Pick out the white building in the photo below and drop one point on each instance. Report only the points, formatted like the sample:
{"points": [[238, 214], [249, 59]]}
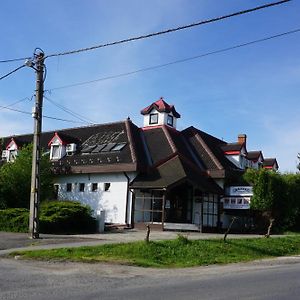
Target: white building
{"points": [[155, 174]]}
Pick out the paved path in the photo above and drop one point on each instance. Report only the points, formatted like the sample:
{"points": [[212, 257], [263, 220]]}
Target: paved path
{"points": [[10, 242]]}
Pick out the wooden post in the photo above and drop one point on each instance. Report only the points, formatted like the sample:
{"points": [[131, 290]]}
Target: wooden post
{"points": [[163, 211], [267, 235], [148, 233], [229, 227]]}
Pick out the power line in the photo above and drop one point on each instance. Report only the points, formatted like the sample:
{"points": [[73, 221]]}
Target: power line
{"points": [[44, 116], [64, 120], [69, 111], [11, 72], [14, 59], [15, 110], [155, 33], [14, 103], [177, 61], [169, 30]]}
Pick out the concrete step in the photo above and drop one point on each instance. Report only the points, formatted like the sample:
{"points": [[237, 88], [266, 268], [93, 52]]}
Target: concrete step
{"points": [[181, 226]]}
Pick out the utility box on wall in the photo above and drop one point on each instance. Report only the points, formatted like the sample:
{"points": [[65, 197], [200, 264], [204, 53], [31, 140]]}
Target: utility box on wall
{"points": [[100, 220]]}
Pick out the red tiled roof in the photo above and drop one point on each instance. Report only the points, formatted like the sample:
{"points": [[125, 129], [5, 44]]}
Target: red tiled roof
{"points": [[161, 106]]}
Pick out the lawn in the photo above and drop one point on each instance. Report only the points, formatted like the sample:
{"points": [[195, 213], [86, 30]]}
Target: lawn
{"points": [[176, 253]]}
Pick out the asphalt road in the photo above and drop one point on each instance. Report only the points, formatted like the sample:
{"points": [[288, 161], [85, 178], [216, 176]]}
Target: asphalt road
{"points": [[268, 279]]}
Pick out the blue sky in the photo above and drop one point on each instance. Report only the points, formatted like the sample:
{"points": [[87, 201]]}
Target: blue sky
{"points": [[253, 90]]}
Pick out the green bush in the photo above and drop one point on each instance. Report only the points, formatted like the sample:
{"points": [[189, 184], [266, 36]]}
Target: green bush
{"points": [[66, 217], [14, 219], [62, 217]]}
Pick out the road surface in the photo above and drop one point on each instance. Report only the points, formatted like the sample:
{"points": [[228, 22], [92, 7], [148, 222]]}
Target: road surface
{"points": [[267, 279]]}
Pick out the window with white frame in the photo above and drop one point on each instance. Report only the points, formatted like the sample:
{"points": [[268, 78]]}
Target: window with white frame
{"points": [[153, 119], [11, 155], [55, 151], [170, 120]]}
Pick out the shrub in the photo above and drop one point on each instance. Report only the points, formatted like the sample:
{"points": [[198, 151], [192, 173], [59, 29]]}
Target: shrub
{"points": [[66, 217], [14, 220], [182, 239]]}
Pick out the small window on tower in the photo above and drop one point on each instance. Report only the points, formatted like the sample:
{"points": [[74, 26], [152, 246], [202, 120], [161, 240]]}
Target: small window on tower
{"points": [[153, 119], [170, 120]]}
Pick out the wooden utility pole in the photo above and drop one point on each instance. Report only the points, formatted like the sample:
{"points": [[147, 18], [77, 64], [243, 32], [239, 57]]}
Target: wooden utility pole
{"points": [[36, 153]]}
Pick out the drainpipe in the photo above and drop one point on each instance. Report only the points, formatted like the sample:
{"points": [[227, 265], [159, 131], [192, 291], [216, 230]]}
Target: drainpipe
{"points": [[127, 197]]}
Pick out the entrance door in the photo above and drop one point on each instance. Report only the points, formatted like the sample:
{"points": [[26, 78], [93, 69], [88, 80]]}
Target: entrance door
{"points": [[178, 205]]}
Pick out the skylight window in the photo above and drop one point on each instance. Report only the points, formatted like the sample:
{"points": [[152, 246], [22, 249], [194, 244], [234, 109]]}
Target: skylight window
{"points": [[108, 147], [99, 148], [118, 147], [88, 149]]}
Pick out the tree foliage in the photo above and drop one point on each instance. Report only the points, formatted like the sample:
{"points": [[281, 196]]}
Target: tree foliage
{"points": [[15, 180], [275, 195]]}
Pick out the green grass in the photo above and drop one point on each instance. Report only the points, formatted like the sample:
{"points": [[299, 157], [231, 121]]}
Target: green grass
{"points": [[175, 253]]}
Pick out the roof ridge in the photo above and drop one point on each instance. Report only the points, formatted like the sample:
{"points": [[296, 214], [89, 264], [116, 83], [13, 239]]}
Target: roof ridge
{"points": [[169, 139], [201, 131], [192, 153], [209, 152], [131, 140]]}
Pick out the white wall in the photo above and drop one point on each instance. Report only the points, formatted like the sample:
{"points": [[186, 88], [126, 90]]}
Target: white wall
{"points": [[113, 201]]}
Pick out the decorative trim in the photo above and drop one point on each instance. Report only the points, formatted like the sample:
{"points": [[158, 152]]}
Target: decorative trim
{"points": [[131, 141], [209, 152], [170, 141]]}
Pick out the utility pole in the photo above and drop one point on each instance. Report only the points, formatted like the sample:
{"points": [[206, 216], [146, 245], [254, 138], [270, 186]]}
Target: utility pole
{"points": [[38, 66]]}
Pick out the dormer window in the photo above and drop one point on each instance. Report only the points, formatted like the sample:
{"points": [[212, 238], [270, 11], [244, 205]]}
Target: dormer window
{"points": [[170, 120], [57, 147], [11, 152], [12, 155], [153, 119], [55, 152]]}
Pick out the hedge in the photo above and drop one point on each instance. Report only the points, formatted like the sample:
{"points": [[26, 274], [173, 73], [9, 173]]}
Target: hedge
{"points": [[14, 219], [61, 217]]}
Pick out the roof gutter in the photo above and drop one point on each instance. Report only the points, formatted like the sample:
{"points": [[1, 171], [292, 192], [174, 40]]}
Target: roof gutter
{"points": [[127, 198]]}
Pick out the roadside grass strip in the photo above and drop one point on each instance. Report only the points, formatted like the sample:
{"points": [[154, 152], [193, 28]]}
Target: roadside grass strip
{"points": [[177, 253]]}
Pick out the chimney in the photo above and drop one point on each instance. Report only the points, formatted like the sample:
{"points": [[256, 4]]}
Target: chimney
{"points": [[242, 138]]}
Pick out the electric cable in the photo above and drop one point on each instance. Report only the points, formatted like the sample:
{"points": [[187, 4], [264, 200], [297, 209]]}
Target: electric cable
{"points": [[44, 116], [169, 30], [11, 72], [64, 120], [69, 111], [14, 103], [156, 33], [14, 59], [177, 61]]}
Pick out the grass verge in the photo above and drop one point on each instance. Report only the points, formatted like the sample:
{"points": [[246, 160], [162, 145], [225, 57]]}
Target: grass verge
{"points": [[176, 253]]}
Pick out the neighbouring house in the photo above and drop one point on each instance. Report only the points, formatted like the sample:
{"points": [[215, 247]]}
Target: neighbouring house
{"points": [[157, 174]]}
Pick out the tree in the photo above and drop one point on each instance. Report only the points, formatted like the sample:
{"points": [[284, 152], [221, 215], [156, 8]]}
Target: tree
{"points": [[15, 180], [269, 195], [292, 205]]}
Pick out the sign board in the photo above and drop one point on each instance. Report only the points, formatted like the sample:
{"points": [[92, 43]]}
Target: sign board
{"points": [[239, 191], [236, 202]]}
